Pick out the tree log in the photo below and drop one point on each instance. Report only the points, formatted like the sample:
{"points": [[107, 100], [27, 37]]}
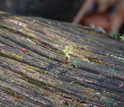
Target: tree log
{"points": [[33, 72]]}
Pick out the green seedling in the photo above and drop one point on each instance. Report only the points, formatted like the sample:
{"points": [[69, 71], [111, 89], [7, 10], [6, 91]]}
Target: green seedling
{"points": [[74, 63], [108, 102], [115, 35], [122, 38], [67, 51], [112, 71]]}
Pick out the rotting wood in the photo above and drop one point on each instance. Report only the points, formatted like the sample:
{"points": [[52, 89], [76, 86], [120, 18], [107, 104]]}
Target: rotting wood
{"points": [[32, 73]]}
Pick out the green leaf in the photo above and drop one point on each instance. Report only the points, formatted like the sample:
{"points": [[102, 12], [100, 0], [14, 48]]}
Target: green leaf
{"points": [[122, 38]]}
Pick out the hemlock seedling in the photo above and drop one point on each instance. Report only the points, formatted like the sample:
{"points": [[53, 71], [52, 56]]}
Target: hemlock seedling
{"points": [[112, 71], [115, 35], [74, 63], [108, 102], [67, 51], [122, 38]]}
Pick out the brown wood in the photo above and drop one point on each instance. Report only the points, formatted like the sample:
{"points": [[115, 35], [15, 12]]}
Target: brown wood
{"points": [[32, 72]]}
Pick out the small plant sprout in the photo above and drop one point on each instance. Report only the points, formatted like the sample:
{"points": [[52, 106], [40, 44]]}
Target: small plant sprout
{"points": [[108, 102], [112, 71], [115, 35], [74, 63], [122, 38], [67, 51], [76, 104]]}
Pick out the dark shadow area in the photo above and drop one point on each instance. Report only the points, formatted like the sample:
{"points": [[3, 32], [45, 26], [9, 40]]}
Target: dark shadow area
{"points": [[63, 10]]}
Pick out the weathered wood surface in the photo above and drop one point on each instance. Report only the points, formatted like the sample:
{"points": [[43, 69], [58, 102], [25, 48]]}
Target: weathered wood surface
{"points": [[32, 73]]}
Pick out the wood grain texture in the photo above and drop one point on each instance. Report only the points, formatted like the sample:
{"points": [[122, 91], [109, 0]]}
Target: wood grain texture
{"points": [[32, 73]]}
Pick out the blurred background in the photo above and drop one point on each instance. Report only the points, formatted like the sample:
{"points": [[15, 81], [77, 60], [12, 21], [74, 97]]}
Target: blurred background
{"points": [[107, 14]]}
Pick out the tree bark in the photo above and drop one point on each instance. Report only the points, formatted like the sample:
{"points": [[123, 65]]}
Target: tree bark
{"points": [[32, 72]]}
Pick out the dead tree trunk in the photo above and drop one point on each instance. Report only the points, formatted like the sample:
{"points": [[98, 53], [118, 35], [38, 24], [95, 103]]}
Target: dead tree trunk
{"points": [[32, 72]]}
